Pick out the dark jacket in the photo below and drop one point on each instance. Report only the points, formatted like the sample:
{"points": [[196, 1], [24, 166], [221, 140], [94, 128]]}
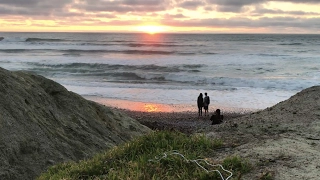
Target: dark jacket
{"points": [[200, 101], [216, 119]]}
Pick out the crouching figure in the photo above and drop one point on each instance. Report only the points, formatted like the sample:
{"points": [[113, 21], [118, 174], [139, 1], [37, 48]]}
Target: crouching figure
{"points": [[217, 118]]}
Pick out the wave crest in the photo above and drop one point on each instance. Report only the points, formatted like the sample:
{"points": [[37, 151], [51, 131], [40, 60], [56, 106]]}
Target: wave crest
{"points": [[43, 40], [291, 44]]}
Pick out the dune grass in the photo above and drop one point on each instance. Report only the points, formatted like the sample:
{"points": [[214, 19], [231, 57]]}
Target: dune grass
{"points": [[141, 159]]}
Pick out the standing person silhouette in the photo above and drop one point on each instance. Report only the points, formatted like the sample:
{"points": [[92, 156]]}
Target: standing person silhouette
{"points": [[206, 103], [200, 104]]}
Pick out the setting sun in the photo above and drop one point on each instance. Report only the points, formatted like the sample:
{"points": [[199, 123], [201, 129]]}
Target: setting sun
{"points": [[151, 29]]}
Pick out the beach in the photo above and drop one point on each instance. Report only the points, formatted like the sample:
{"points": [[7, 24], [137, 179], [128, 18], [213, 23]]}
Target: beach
{"points": [[159, 107], [182, 118]]}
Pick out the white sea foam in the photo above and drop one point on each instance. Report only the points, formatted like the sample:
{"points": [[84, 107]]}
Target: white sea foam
{"points": [[245, 98]]}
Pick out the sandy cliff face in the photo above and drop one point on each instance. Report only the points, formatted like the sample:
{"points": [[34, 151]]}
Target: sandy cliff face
{"points": [[301, 112], [41, 123], [283, 140]]}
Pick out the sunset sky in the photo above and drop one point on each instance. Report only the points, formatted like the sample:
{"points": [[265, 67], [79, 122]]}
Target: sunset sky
{"points": [[172, 16]]}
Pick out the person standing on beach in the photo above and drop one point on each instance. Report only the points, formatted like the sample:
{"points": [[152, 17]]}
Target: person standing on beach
{"points": [[206, 103], [200, 104]]}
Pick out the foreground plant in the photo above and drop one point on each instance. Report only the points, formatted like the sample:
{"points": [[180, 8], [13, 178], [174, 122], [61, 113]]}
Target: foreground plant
{"points": [[145, 158]]}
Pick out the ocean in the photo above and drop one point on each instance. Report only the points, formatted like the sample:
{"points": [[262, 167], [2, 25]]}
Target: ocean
{"points": [[238, 71]]}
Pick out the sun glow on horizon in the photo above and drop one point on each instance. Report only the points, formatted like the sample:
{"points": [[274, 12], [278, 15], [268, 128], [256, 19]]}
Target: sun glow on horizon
{"points": [[151, 29]]}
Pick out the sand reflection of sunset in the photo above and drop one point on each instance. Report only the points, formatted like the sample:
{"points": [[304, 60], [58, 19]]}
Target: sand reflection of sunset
{"points": [[137, 106], [151, 108]]}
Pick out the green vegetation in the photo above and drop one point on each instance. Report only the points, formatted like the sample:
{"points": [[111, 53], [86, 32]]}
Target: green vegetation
{"points": [[267, 176], [143, 158], [237, 164]]}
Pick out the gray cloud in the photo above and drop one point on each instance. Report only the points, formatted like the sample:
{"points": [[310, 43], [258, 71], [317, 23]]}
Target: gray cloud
{"points": [[35, 3], [52, 7], [278, 22], [123, 6], [260, 11], [89, 11], [32, 7], [20, 3], [300, 1], [141, 2], [173, 16], [55, 7], [191, 4], [232, 5], [237, 5], [240, 3]]}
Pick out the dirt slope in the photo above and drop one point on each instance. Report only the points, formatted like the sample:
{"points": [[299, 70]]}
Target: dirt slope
{"points": [[41, 124], [283, 140]]}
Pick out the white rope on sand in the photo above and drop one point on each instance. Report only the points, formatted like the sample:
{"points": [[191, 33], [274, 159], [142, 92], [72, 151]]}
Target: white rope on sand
{"points": [[197, 161]]}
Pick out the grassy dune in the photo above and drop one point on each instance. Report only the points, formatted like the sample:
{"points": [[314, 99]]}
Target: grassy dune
{"points": [[143, 158]]}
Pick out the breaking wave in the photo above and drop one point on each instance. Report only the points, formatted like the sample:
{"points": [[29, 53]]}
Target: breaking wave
{"points": [[43, 40], [291, 44], [97, 67], [79, 52], [14, 50]]}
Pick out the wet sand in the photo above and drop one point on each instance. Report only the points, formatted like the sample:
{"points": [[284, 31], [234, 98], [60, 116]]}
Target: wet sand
{"points": [[183, 118], [157, 107]]}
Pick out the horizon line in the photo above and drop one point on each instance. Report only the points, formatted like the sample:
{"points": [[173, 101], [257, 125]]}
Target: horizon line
{"points": [[112, 32]]}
